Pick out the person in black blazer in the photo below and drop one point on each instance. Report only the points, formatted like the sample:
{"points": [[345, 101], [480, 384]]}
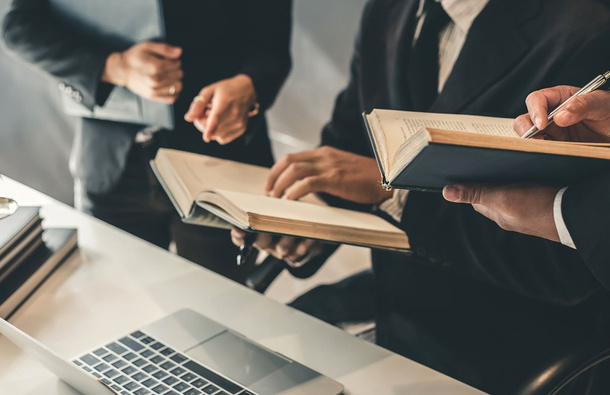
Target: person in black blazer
{"points": [[235, 52], [478, 303]]}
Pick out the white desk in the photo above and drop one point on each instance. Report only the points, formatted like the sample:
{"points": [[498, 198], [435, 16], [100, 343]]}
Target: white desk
{"points": [[117, 283]]}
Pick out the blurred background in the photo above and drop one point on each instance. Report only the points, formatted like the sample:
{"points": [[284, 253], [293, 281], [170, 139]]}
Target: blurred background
{"points": [[35, 136]]}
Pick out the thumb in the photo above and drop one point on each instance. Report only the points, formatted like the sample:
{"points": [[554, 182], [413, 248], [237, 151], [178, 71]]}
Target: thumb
{"points": [[461, 193], [164, 50], [593, 106]]}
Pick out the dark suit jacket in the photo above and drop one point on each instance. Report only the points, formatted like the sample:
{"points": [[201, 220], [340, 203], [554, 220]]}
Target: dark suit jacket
{"points": [[513, 48], [585, 212], [475, 301], [220, 39]]}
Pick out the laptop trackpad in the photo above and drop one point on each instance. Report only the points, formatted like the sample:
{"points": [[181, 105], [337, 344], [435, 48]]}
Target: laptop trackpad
{"points": [[237, 358]]}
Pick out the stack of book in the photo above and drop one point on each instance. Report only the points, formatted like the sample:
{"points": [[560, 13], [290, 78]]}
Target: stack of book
{"points": [[28, 256]]}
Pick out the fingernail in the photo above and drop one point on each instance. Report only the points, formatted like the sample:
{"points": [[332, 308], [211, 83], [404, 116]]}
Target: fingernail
{"points": [[453, 193]]}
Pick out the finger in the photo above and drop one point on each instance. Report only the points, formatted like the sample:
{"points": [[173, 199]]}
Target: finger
{"points": [[522, 124], [238, 236], [163, 50], [197, 110], [593, 106], [218, 111], [229, 137], [464, 193], [540, 103], [229, 126], [314, 184], [152, 66], [286, 246], [165, 80], [264, 242], [304, 247], [281, 166], [293, 173], [167, 91]]}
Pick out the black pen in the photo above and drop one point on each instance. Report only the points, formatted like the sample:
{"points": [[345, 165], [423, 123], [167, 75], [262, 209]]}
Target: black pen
{"points": [[245, 250]]}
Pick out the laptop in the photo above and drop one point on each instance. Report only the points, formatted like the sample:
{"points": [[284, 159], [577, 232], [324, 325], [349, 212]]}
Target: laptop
{"points": [[184, 353]]}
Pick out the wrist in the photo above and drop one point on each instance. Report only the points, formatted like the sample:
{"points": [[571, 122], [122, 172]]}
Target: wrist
{"points": [[113, 71], [246, 82]]}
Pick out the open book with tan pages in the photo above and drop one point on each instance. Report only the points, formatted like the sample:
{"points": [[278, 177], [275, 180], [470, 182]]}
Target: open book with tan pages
{"points": [[425, 151], [215, 192]]}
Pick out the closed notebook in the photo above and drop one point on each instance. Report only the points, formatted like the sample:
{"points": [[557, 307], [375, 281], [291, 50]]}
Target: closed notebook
{"points": [[214, 192], [16, 231], [423, 151], [35, 269], [117, 24]]}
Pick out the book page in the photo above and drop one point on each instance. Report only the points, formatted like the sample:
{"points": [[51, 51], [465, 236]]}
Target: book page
{"points": [[400, 127], [198, 173], [289, 210]]}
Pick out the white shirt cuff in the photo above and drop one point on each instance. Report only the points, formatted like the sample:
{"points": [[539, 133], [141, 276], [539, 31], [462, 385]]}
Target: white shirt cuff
{"points": [[562, 229], [396, 204]]}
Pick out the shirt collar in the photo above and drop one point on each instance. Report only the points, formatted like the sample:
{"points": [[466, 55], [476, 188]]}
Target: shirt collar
{"points": [[462, 12]]}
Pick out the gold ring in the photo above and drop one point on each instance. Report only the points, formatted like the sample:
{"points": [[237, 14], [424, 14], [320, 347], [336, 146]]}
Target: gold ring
{"points": [[199, 99], [172, 90]]}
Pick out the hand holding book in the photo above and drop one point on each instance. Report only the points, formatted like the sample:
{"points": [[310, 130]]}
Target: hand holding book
{"points": [[528, 208]]}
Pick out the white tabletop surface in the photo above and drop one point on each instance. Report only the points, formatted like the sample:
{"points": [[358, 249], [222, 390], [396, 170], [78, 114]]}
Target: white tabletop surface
{"points": [[116, 283]]}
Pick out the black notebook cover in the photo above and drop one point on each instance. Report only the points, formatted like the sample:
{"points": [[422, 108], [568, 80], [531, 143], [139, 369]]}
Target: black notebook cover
{"points": [[33, 271], [438, 165]]}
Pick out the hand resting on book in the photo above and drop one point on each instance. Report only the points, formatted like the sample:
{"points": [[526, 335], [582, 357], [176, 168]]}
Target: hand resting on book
{"points": [[327, 170], [322, 170]]}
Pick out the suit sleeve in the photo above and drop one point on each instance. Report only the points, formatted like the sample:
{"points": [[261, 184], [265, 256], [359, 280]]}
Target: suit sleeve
{"points": [[268, 60], [32, 32], [586, 212]]}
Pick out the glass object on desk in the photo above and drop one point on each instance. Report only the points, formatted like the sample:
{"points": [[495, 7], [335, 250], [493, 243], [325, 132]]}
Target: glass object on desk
{"points": [[8, 206]]}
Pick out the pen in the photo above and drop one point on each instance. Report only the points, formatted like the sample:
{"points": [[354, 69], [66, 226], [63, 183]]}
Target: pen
{"points": [[245, 250], [597, 83]]}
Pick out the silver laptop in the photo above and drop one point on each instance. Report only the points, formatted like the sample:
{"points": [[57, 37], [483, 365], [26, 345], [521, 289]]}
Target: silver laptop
{"points": [[182, 354]]}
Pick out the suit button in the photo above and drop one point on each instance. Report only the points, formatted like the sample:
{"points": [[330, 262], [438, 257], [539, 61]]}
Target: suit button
{"points": [[421, 251], [62, 87], [77, 97]]}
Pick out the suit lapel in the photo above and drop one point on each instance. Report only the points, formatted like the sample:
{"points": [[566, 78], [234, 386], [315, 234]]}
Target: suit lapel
{"points": [[493, 46]]}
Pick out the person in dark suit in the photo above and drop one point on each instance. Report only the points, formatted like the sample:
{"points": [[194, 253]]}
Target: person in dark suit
{"points": [[478, 303], [232, 56], [573, 215]]}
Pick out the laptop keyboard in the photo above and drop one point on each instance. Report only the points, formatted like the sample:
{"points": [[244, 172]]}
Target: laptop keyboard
{"points": [[137, 364]]}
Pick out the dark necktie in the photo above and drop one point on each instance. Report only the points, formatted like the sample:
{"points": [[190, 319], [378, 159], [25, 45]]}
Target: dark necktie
{"points": [[423, 64]]}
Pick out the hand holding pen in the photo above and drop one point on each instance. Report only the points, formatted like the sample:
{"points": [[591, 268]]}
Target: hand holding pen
{"points": [[556, 97], [586, 118]]}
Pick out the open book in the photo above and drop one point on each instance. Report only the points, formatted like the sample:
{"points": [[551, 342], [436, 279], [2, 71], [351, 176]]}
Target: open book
{"points": [[424, 151], [215, 192]]}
